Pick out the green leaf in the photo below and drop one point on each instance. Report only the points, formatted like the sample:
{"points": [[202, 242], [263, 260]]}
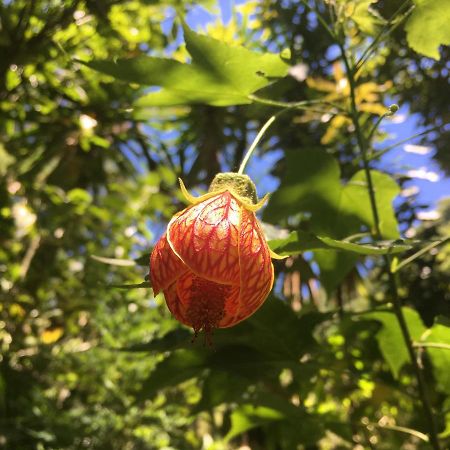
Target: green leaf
{"points": [[334, 267], [367, 19], [390, 337], [440, 358], [381, 248], [300, 241], [218, 75], [312, 185], [247, 417], [355, 203], [219, 387], [179, 366], [297, 242], [291, 424], [428, 27]]}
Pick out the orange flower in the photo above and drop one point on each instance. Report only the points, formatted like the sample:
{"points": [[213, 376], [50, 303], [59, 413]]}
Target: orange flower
{"points": [[213, 263]]}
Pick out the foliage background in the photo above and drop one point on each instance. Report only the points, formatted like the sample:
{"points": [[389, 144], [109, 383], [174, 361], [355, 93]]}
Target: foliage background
{"points": [[89, 161]]}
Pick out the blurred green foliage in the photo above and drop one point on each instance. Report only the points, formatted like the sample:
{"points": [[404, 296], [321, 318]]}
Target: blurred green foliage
{"points": [[89, 161]]}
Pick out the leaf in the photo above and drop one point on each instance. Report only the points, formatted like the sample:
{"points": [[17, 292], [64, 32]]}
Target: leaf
{"points": [[143, 260], [299, 241], [390, 337], [179, 366], [293, 425], [381, 248], [440, 358], [355, 203], [50, 336], [428, 27], [218, 75], [312, 185], [365, 17], [219, 387], [247, 417], [334, 267]]}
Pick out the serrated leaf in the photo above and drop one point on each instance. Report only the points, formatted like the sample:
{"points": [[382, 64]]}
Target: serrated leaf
{"points": [[428, 27], [365, 17], [218, 75], [390, 337]]}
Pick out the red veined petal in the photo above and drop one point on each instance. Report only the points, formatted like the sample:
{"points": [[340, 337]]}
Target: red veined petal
{"points": [[201, 303], [205, 237], [174, 304], [165, 266], [256, 269]]}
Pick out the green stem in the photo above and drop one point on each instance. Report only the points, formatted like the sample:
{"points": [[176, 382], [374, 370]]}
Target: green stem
{"points": [[287, 106], [387, 259], [440, 345], [386, 31], [322, 21], [256, 142], [406, 430], [379, 153], [397, 267], [305, 104]]}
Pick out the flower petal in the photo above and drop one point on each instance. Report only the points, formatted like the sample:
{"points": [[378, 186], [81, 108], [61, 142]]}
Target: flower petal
{"points": [[201, 303], [256, 269], [175, 305], [205, 237], [165, 266]]}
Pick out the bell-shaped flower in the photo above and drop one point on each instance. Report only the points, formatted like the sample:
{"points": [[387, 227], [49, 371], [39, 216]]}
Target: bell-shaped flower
{"points": [[213, 263]]}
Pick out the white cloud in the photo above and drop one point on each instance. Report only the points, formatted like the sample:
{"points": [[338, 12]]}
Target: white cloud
{"points": [[423, 174], [428, 215], [417, 149]]}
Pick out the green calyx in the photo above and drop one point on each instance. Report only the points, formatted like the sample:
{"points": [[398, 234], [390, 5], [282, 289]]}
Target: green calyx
{"points": [[241, 185]]}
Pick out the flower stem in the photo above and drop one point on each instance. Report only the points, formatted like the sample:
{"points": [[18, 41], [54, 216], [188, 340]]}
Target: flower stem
{"points": [[260, 135], [287, 106], [255, 143]]}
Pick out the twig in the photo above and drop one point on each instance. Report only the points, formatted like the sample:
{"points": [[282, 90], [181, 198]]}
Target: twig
{"points": [[440, 345], [396, 267]]}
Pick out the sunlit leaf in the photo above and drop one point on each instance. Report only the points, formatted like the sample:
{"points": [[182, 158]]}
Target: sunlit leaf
{"points": [[219, 74], [427, 27], [51, 335], [440, 358], [390, 337]]}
